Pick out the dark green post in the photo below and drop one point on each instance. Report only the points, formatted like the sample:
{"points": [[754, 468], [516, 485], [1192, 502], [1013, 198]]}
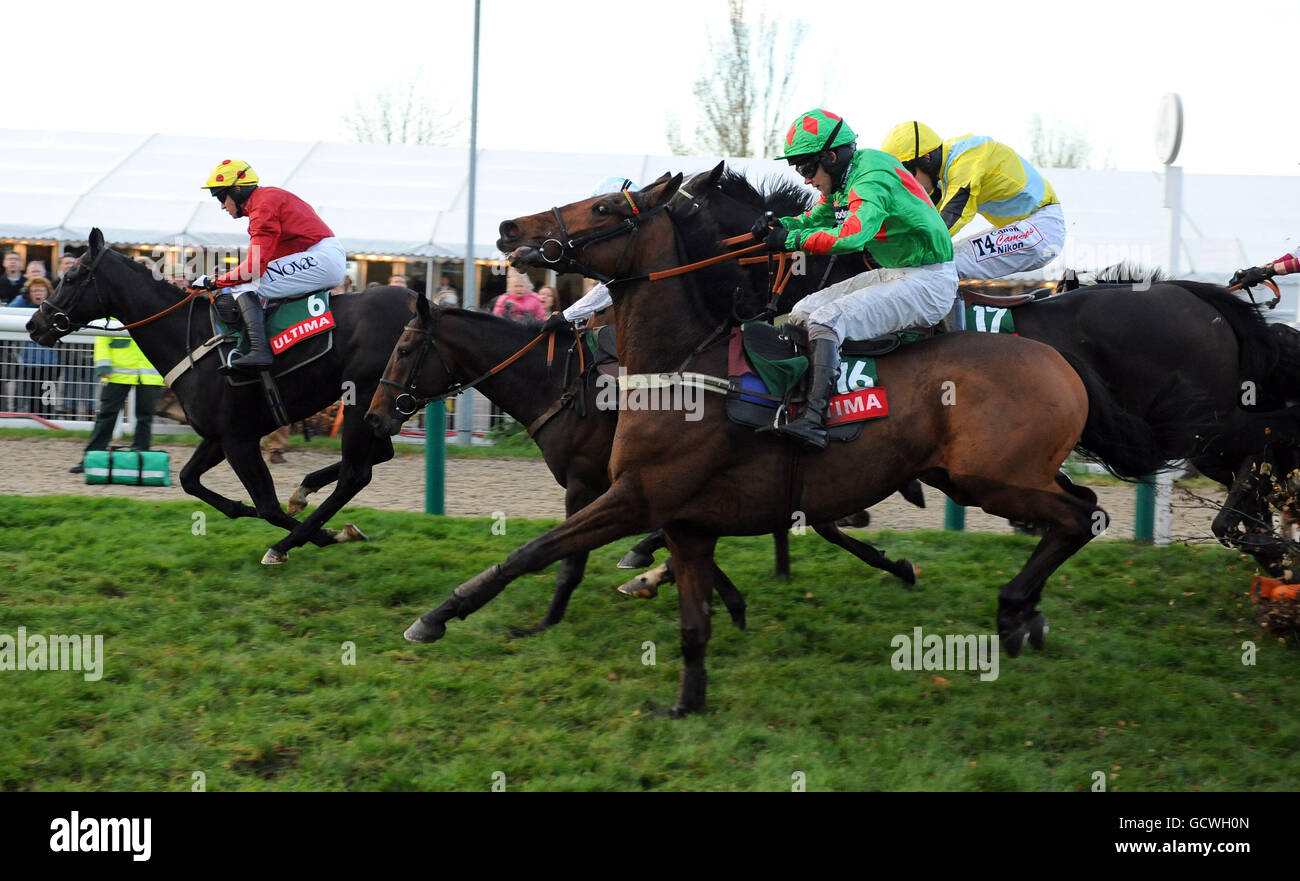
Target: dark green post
{"points": [[1145, 528], [954, 515], [435, 458]]}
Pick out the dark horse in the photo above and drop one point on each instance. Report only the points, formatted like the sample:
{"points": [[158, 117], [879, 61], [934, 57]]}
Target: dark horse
{"points": [[231, 420], [1017, 412]]}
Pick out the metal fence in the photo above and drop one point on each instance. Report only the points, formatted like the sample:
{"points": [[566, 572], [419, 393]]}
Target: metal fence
{"points": [[58, 387]]}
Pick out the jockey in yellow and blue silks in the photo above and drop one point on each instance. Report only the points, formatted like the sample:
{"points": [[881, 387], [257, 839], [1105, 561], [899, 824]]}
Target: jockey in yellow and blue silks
{"points": [[976, 175]]}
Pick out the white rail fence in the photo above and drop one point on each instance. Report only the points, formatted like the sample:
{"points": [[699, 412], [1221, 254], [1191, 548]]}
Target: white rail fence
{"points": [[65, 393]]}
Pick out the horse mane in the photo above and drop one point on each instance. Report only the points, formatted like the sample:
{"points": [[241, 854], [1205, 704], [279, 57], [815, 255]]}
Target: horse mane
{"points": [[1126, 272], [780, 195]]}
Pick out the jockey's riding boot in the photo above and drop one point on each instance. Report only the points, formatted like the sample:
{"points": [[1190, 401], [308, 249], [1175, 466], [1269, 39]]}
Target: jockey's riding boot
{"points": [[259, 350], [810, 427]]}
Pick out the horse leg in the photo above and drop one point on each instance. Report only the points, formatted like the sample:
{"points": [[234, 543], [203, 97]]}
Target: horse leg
{"points": [[730, 595], [1072, 519], [362, 450], [1245, 523], [696, 579], [868, 554], [642, 553], [618, 512], [576, 497], [245, 458], [309, 485], [781, 540], [207, 455]]}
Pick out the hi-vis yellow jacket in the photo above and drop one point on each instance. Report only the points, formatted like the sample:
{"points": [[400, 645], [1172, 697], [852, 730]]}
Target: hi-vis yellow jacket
{"points": [[119, 359], [981, 176]]}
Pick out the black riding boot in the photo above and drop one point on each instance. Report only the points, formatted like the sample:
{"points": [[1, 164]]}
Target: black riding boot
{"points": [[810, 427], [259, 350]]}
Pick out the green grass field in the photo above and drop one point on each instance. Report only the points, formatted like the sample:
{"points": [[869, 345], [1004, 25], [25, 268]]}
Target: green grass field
{"points": [[215, 664]]}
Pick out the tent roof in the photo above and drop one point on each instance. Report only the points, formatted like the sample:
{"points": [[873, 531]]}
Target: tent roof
{"points": [[411, 201]]}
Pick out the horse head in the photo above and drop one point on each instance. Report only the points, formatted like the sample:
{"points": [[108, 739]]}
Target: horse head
{"points": [[592, 236], [80, 298], [412, 378]]}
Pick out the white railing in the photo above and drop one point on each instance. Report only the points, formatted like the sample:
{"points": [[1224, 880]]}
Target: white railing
{"points": [[66, 395]]}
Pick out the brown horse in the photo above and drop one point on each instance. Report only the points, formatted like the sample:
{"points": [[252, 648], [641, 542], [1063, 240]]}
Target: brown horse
{"points": [[988, 420]]}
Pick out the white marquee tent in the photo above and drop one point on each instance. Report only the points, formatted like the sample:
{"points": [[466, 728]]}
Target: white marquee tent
{"points": [[410, 201]]}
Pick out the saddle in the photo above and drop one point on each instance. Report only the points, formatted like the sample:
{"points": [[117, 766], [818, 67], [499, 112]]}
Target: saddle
{"points": [[300, 330], [768, 378]]}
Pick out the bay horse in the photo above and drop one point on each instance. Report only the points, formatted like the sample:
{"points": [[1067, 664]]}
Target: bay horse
{"points": [[1212, 383], [987, 420], [232, 420], [557, 398]]}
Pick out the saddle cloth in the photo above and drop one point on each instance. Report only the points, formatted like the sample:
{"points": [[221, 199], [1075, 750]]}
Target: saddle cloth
{"points": [[300, 330]]}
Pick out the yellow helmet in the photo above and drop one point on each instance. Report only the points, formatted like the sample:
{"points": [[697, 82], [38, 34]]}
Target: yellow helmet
{"points": [[910, 140], [231, 173]]}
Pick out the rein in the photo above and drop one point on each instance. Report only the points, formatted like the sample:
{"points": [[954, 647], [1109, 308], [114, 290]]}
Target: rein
{"points": [[1267, 282], [62, 323], [408, 400]]}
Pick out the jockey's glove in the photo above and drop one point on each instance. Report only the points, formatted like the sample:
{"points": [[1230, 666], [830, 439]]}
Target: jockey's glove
{"points": [[204, 282], [776, 238], [763, 227], [1251, 277], [554, 322]]}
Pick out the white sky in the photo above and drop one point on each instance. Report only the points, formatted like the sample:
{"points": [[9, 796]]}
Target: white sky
{"points": [[605, 75]]}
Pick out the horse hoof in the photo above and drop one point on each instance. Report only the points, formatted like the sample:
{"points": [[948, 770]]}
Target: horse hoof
{"points": [[636, 560], [1014, 642], [273, 558], [521, 632], [1037, 630], [349, 533], [640, 588], [908, 571], [297, 501], [421, 632]]}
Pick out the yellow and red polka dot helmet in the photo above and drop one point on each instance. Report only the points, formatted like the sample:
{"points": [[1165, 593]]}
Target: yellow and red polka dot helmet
{"points": [[231, 173]]}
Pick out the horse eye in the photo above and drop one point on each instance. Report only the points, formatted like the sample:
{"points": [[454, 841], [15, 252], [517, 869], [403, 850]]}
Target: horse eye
{"points": [[403, 351], [602, 209]]}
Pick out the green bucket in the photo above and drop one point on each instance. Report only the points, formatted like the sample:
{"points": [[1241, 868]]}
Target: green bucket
{"points": [[128, 467]]}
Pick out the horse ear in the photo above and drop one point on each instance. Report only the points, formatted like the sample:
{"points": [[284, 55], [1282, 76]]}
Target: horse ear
{"points": [[667, 191], [663, 177], [422, 306], [96, 241], [716, 174]]}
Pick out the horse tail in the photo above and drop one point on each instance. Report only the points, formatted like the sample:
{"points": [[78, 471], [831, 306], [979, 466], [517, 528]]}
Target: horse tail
{"points": [[1128, 446], [1285, 377]]}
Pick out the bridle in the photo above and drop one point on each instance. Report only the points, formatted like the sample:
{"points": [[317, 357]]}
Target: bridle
{"points": [[57, 316], [565, 248], [408, 399]]}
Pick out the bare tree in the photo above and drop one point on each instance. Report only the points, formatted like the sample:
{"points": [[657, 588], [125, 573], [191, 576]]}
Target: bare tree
{"points": [[1056, 144], [401, 114], [742, 94]]}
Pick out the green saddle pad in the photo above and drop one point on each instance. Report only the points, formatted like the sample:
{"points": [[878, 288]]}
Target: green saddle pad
{"points": [[293, 321]]}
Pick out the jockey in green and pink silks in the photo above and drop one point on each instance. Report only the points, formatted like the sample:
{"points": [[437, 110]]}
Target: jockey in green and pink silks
{"points": [[870, 204]]}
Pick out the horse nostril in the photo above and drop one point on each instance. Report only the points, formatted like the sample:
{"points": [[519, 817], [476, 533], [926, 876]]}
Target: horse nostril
{"points": [[509, 230]]}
